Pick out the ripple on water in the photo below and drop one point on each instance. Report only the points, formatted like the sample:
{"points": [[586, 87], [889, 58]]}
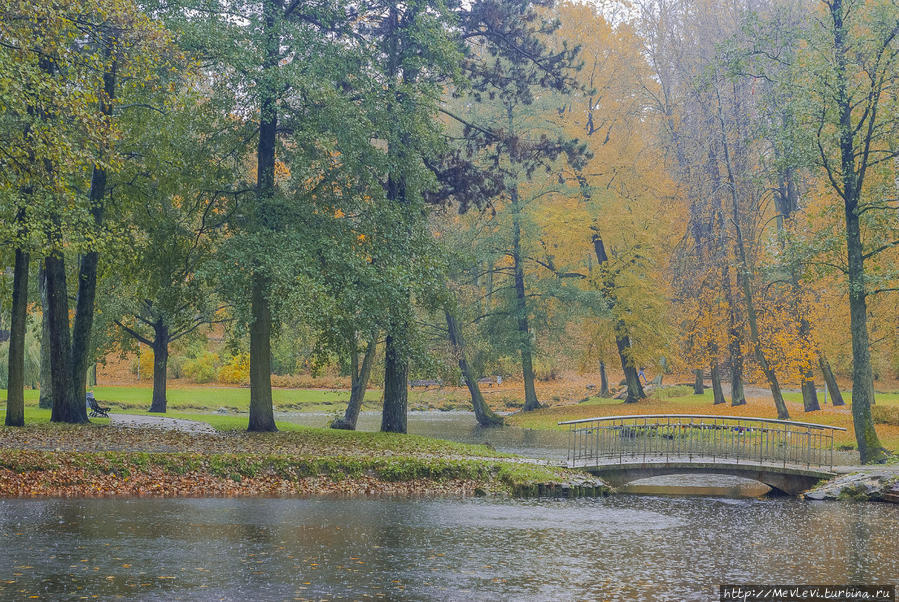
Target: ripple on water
{"points": [[551, 515], [617, 548]]}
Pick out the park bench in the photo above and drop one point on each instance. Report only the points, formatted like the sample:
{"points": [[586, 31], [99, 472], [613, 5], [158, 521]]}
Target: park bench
{"points": [[96, 409], [424, 383]]}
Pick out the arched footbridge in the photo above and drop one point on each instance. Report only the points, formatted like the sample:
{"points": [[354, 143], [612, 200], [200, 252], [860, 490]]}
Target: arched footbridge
{"points": [[786, 455]]}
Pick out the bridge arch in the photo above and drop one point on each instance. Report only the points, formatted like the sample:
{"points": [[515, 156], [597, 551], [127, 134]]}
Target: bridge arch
{"points": [[791, 481], [785, 455]]}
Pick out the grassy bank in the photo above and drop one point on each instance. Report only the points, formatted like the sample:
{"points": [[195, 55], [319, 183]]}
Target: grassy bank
{"points": [[98, 460]]}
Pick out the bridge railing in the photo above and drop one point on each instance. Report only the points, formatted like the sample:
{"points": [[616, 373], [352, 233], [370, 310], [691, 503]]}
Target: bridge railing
{"points": [[699, 437]]}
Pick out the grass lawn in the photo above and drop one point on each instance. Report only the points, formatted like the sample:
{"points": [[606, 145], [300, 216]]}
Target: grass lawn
{"points": [[212, 398]]}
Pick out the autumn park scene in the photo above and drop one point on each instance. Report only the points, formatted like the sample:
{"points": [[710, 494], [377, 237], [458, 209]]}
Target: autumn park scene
{"points": [[481, 300]]}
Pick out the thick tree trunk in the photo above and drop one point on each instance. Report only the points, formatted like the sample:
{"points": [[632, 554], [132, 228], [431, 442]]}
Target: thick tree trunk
{"points": [[160, 365], [603, 382], [698, 382], [359, 383], [66, 408], [83, 322], [717, 390], [622, 340], [737, 395], [809, 393], [483, 414], [46, 397], [15, 386], [836, 398], [262, 415], [632, 378], [869, 446], [521, 310], [87, 270], [396, 393]]}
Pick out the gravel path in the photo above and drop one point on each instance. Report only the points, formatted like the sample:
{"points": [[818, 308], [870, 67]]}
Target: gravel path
{"points": [[160, 422]]}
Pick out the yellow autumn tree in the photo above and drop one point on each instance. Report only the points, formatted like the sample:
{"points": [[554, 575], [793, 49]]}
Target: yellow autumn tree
{"points": [[615, 224]]}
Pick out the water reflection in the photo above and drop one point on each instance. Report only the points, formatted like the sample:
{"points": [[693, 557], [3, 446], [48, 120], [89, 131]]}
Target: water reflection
{"points": [[460, 427], [620, 548]]}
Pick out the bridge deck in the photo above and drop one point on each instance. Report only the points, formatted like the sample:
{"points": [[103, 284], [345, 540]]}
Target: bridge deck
{"points": [[698, 440], [789, 478], [696, 464]]}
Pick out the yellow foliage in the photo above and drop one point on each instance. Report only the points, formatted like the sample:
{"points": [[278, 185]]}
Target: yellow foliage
{"points": [[145, 362], [236, 371]]}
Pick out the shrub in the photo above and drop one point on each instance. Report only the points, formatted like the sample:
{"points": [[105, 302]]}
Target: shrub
{"points": [[885, 414], [236, 371], [546, 370], [203, 368], [32, 360], [671, 392], [176, 366]]}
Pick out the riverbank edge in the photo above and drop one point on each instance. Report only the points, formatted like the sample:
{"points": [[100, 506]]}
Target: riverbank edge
{"points": [[872, 485], [39, 473]]}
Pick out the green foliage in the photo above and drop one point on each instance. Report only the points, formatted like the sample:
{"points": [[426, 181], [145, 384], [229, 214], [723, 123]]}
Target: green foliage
{"points": [[203, 368], [32, 357]]}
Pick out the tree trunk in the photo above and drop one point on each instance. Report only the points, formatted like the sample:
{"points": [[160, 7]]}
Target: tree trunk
{"points": [[83, 322], [622, 340], [809, 393], [836, 398], [786, 198], [521, 310], [737, 394], [359, 383], [46, 397], [743, 281], [779, 403], [66, 407], [396, 393], [698, 382], [160, 364], [717, 390], [87, 269], [603, 382], [632, 378], [869, 446], [734, 334], [15, 385], [262, 415], [484, 415]]}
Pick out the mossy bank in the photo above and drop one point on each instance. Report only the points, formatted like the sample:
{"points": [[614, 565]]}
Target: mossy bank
{"points": [[50, 460]]}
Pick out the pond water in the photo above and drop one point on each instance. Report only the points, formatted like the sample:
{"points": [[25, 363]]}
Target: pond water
{"points": [[619, 548], [461, 427]]}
